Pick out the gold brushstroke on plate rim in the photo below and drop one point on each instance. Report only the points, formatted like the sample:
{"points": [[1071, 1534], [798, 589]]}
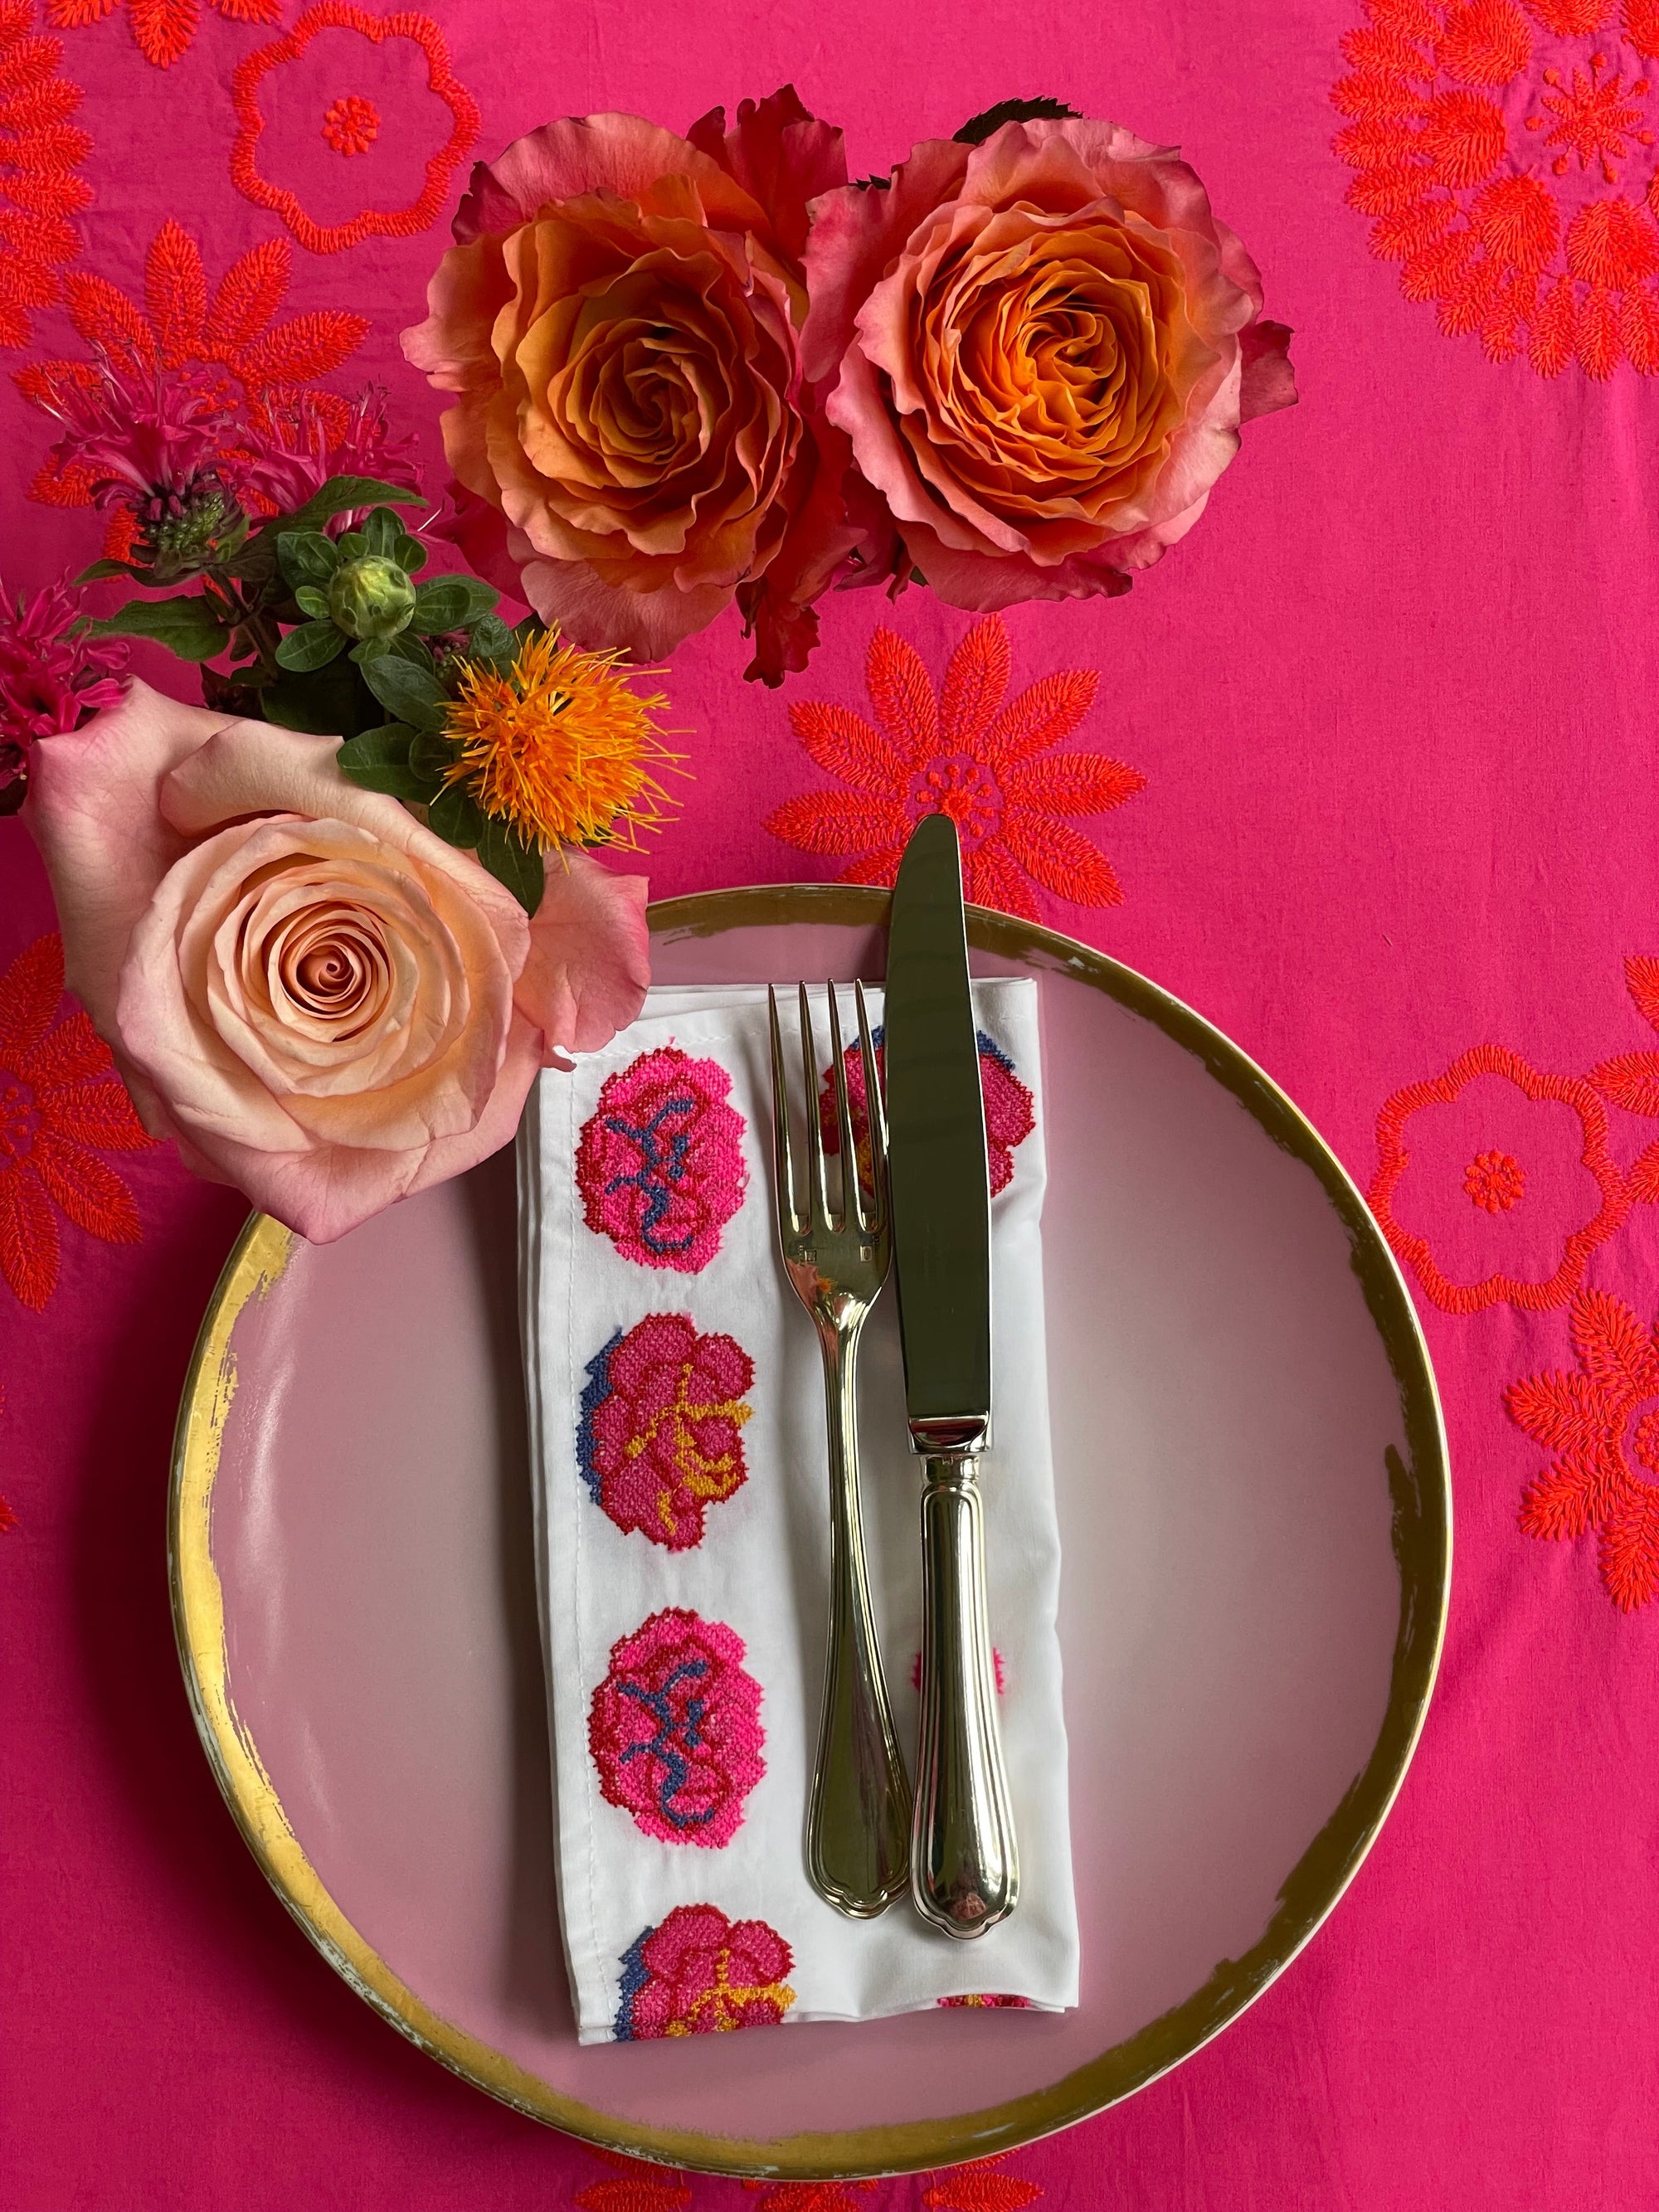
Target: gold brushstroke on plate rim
{"points": [[1419, 1490]]}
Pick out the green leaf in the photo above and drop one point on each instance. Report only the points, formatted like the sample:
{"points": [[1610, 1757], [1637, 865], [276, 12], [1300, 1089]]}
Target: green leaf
{"points": [[370, 648], [490, 639], [101, 569], [431, 757], [381, 532], [410, 555], [456, 817], [513, 862], [186, 624], [411, 694], [305, 557], [314, 644], [979, 128], [295, 706], [354, 546], [340, 493], [311, 601], [378, 760], [450, 602], [413, 649]]}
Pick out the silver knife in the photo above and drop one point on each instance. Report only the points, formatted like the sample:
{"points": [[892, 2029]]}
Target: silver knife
{"points": [[965, 1862]]}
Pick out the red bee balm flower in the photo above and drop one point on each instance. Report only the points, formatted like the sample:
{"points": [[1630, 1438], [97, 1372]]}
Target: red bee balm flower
{"points": [[675, 1730]]}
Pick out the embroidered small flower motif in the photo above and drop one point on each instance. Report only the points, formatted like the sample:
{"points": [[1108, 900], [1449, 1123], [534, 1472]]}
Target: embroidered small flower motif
{"points": [[660, 1440], [659, 1162], [260, 74], [986, 2002], [992, 768], [1542, 1200], [1630, 1080], [161, 29], [698, 1973], [1010, 1109], [41, 152], [61, 1103], [1495, 1181], [1512, 175], [225, 342], [675, 1730], [352, 125], [1592, 1421]]}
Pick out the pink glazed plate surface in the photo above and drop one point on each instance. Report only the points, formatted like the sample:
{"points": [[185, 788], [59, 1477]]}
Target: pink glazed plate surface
{"points": [[1255, 1520]]}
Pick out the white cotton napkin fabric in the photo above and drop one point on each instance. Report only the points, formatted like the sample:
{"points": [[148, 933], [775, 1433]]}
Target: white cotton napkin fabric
{"points": [[682, 1526]]}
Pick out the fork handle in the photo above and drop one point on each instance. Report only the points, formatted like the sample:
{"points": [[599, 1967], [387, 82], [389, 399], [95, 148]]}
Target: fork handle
{"points": [[859, 1825], [964, 1859]]}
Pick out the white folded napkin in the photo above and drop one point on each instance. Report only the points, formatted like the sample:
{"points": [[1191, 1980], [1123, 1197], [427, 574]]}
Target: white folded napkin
{"points": [[683, 1538]]}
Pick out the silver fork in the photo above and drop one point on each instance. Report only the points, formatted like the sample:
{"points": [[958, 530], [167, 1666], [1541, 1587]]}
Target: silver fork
{"points": [[858, 1829]]}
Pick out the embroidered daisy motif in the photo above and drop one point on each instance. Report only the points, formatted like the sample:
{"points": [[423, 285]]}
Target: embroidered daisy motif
{"points": [[660, 1437], [675, 1730], [1595, 1420], [698, 1973], [1506, 157], [961, 751], [61, 1104]]}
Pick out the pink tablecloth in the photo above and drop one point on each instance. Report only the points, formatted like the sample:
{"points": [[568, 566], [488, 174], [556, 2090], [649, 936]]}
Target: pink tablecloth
{"points": [[1393, 704]]}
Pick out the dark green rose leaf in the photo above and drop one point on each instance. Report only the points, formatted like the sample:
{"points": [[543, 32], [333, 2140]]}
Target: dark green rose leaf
{"points": [[186, 625], [101, 569], [378, 760], [979, 128], [340, 493], [456, 817], [513, 862], [305, 557], [312, 646], [490, 639], [450, 602], [431, 757], [411, 693]]}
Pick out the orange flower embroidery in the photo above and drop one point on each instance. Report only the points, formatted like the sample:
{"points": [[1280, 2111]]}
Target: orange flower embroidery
{"points": [[61, 1103], [1484, 154], [162, 28], [1590, 1421], [229, 341], [40, 150], [812, 2196], [991, 767], [372, 222], [1630, 1080], [637, 2189], [979, 2186], [1495, 1181], [352, 125]]}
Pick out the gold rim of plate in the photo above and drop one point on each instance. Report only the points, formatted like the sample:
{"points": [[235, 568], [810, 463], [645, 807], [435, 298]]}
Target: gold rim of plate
{"points": [[1421, 1492]]}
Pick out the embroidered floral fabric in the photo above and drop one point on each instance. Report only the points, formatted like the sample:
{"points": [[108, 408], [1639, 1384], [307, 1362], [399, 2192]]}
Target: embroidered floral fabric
{"points": [[678, 1443]]}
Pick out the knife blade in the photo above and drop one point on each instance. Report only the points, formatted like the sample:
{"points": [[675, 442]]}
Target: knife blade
{"points": [[964, 1860]]}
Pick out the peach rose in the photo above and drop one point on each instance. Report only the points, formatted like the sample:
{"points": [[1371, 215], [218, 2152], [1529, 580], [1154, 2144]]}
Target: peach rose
{"points": [[617, 320], [1042, 348], [315, 997]]}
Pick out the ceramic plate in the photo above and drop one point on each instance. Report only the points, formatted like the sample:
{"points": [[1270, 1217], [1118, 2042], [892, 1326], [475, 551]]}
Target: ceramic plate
{"points": [[1256, 1528]]}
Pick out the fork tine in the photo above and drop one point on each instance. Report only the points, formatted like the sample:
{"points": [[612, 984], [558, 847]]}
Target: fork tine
{"points": [[818, 1188], [852, 1195], [875, 1113], [783, 1161]]}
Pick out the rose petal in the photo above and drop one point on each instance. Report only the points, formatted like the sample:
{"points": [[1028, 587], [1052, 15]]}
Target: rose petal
{"points": [[590, 959]]}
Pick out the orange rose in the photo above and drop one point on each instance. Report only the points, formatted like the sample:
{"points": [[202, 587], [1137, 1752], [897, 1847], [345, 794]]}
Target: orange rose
{"points": [[618, 323], [1042, 348]]}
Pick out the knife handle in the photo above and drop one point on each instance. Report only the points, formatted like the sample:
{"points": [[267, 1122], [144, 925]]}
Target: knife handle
{"points": [[964, 1860]]}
